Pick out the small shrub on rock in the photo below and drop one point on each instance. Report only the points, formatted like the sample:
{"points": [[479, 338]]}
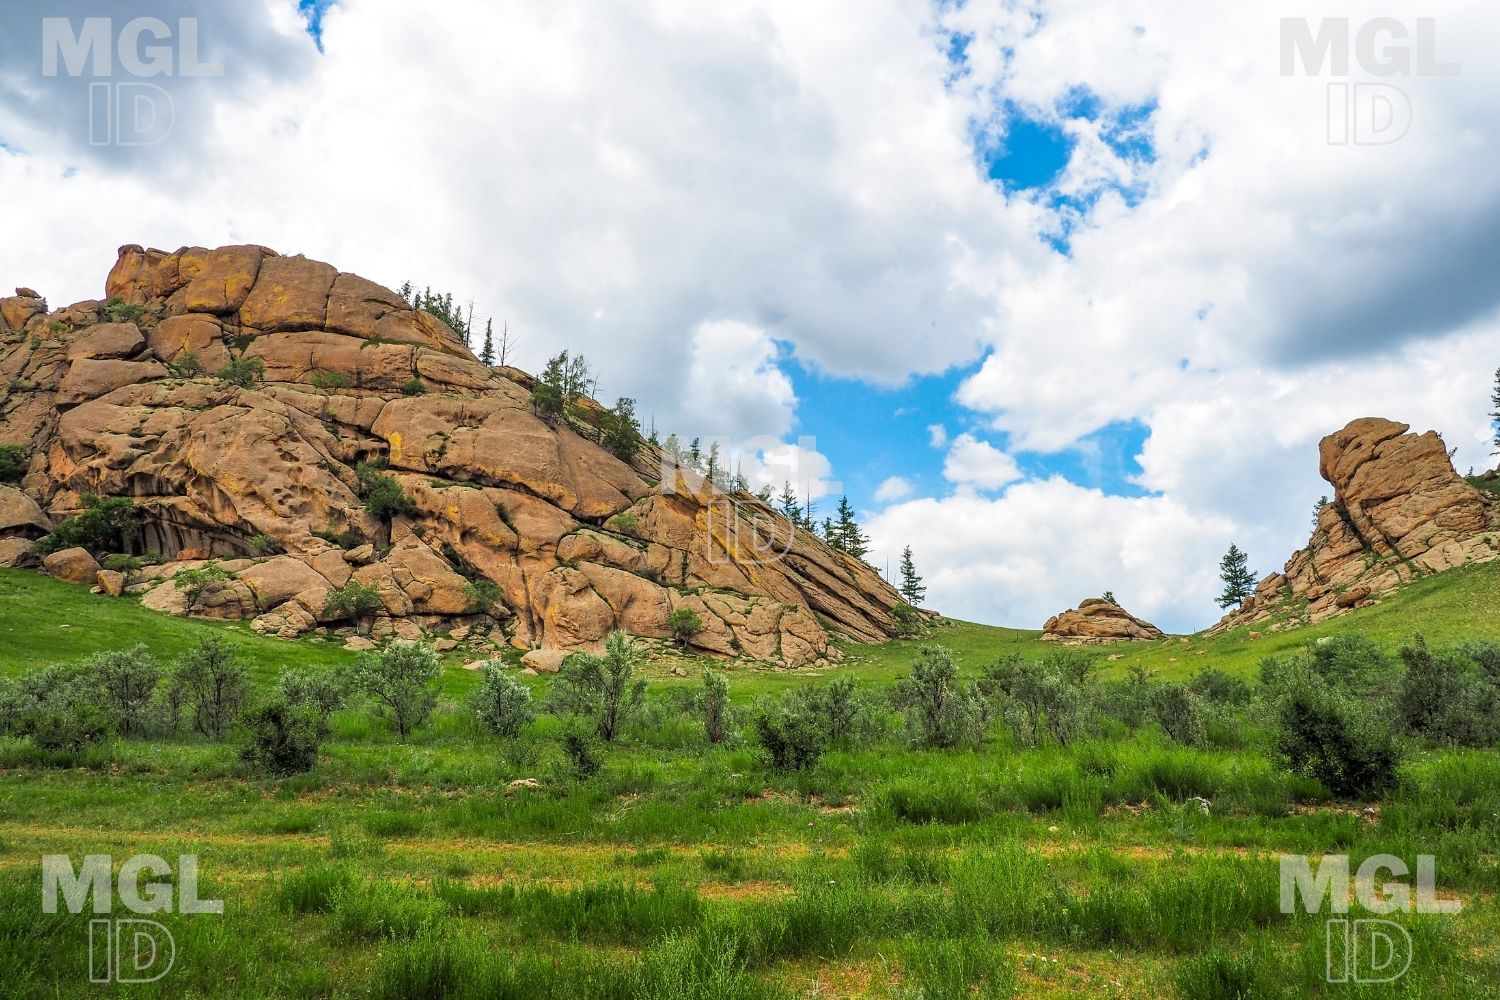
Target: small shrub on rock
{"points": [[12, 462], [684, 623]]}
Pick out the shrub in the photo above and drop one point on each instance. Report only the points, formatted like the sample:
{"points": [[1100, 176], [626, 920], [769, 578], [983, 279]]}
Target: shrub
{"points": [[908, 620], [264, 545], [482, 594], [100, 528], [126, 680], [1329, 736], [127, 564], [1049, 698], [846, 717], [791, 736], [186, 364], [383, 496], [243, 372], [120, 311], [580, 749], [413, 387], [214, 684], [621, 431], [331, 380], [402, 679], [284, 738], [353, 601], [502, 703], [715, 706], [322, 692], [604, 688], [684, 623], [1178, 711], [1215, 686], [60, 708], [12, 462], [198, 582], [1444, 699], [938, 711]]}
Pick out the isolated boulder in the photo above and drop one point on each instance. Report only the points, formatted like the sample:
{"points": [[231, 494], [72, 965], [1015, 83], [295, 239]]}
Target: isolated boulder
{"points": [[1098, 621], [73, 565]]}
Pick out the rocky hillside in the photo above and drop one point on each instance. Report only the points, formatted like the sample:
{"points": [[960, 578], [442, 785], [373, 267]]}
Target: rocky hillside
{"points": [[117, 398], [1399, 511]]}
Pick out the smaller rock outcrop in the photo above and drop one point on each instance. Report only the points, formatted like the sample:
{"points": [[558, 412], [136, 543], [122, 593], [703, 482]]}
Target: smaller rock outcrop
{"points": [[1399, 511], [1097, 621]]}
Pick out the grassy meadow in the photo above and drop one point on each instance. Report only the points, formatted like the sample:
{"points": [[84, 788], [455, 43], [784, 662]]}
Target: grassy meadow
{"points": [[1123, 864]]}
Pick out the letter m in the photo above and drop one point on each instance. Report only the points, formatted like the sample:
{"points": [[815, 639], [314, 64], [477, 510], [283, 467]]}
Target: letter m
{"points": [[1297, 879], [58, 40], [1297, 40], [93, 877]]}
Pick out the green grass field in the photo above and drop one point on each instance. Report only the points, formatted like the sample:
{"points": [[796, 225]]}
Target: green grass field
{"points": [[1127, 866]]}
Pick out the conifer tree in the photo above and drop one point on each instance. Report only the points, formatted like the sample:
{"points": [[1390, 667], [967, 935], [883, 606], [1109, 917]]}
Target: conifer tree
{"points": [[851, 539], [487, 353], [1239, 582], [789, 505], [912, 588]]}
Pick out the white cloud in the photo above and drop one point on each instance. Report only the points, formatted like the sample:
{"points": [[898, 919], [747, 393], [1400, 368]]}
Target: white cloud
{"points": [[893, 488], [937, 435], [1044, 546], [980, 464], [734, 390]]}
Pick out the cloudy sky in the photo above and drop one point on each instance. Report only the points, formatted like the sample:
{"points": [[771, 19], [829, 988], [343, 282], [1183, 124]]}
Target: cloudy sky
{"points": [[1062, 294]]}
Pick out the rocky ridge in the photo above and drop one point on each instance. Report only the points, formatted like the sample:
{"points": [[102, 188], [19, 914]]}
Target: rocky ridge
{"points": [[1399, 512], [112, 398], [1097, 621]]}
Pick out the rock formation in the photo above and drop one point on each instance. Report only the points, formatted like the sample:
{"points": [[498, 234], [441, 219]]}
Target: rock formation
{"points": [[1097, 621], [1399, 511], [117, 399]]}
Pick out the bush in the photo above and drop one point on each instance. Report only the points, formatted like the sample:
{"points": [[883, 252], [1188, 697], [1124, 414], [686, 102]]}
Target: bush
{"points": [[603, 689], [214, 686], [402, 679], [1178, 711], [1217, 687], [126, 681], [121, 563], [1329, 736], [847, 717], [60, 708], [331, 380], [939, 712], [582, 754], [502, 703], [413, 387], [284, 738], [100, 528], [1445, 699], [716, 710], [322, 692], [354, 601], [1049, 698], [198, 582], [12, 462], [383, 496], [791, 736], [684, 623], [243, 372], [264, 545], [908, 620], [186, 364], [482, 594], [120, 311]]}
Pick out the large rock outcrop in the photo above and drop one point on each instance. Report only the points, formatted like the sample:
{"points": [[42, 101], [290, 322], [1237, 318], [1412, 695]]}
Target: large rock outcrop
{"points": [[1399, 511], [1097, 621], [118, 398]]}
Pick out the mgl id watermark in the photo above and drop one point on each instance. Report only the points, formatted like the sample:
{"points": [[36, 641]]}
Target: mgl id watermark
{"points": [[148, 945], [1363, 950]]}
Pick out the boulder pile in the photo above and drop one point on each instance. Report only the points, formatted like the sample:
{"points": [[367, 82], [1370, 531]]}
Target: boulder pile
{"points": [[1097, 621], [241, 400]]}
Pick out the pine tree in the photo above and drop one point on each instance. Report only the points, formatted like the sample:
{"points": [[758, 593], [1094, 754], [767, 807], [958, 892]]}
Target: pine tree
{"points": [[831, 534], [695, 454], [622, 432], [549, 399], [789, 505], [851, 539], [912, 588], [1239, 582], [487, 353], [673, 447], [712, 470]]}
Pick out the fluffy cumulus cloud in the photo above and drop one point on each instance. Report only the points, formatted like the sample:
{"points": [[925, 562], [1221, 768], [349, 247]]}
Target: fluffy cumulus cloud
{"points": [[892, 488], [972, 462], [698, 195], [1045, 545]]}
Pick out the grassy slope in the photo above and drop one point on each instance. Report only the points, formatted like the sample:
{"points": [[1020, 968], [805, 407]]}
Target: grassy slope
{"points": [[44, 621]]}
